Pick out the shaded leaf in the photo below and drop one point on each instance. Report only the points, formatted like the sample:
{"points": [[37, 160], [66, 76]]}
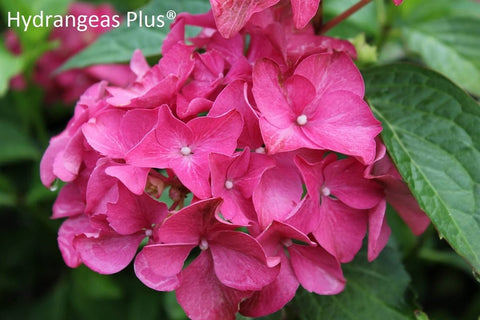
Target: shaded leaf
{"points": [[118, 44], [432, 130], [450, 46], [10, 66], [15, 145]]}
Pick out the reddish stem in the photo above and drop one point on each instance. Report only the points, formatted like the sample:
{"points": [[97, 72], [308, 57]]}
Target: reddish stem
{"points": [[318, 18], [332, 23]]}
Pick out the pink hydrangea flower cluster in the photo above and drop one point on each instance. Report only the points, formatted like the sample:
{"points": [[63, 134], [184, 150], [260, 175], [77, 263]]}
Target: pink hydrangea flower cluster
{"points": [[69, 85], [267, 133], [232, 15]]}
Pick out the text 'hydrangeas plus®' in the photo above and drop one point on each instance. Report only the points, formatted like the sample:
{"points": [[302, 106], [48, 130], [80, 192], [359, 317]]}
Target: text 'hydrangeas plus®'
{"points": [[260, 169]]}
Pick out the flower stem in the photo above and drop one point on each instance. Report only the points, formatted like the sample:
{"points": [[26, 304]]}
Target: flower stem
{"points": [[318, 19], [332, 23]]}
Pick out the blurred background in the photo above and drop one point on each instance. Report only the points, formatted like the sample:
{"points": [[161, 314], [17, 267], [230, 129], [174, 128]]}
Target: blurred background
{"points": [[34, 281]]}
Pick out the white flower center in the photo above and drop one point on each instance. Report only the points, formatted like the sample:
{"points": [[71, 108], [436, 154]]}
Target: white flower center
{"points": [[260, 150], [148, 232], [186, 151], [302, 120], [287, 242], [326, 191], [229, 184], [203, 244]]}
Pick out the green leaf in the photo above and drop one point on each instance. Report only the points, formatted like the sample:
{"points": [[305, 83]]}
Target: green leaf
{"points": [[450, 46], [15, 145], [7, 199], [420, 11], [118, 45], [431, 129], [364, 20], [374, 291], [10, 66]]}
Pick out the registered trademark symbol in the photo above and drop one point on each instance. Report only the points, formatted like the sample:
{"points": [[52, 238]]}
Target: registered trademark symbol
{"points": [[171, 15]]}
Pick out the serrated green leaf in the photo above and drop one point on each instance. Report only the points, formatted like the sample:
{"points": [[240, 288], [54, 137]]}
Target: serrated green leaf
{"points": [[450, 46], [374, 291], [118, 45], [15, 145], [432, 130]]}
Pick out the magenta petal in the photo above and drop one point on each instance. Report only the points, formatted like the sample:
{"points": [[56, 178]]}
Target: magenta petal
{"points": [[277, 195], [332, 72], [345, 179], [316, 270], [133, 213], [135, 125], [303, 11], [278, 234], [344, 123], [56, 145], [69, 229], [231, 16], [71, 198], [402, 200], [68, 161], [107, 254], [158, 265], [284, 139], [203, 297], [134, 178], [378, 230], [275, 295], [190, 223], [138, 64], [240, 261], [234, 96], [103, 133], [161, 145], [270, 96], [341, 229]]}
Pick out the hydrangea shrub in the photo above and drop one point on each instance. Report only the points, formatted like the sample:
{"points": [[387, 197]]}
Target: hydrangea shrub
{"points": [[251, 160]]}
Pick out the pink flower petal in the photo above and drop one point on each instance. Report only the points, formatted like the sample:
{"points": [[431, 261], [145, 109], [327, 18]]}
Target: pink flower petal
{"points": [[378, 230], [158, 265], [239, 261], [304, 11], [274, 296], [107, 254], [341, 229], [316, 270], [203, 297]]}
